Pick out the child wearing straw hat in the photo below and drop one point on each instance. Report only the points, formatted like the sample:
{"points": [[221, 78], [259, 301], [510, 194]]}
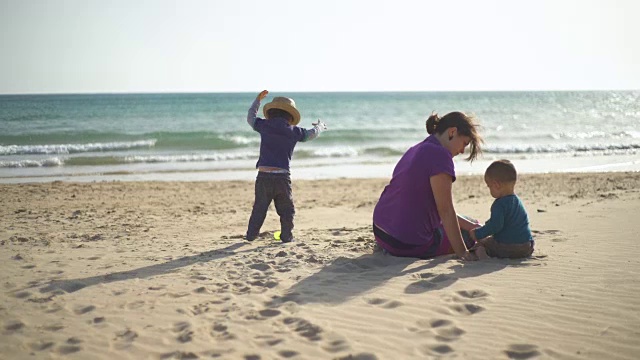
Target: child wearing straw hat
{"points": [[279, 135]]}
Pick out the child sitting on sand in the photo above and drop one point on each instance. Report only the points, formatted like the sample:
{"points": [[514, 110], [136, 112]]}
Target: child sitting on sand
{"points": [[506, 234], [278, 137]]}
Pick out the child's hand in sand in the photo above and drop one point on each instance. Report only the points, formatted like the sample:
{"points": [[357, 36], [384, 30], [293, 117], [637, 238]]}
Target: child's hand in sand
{"points": [[468, 256], [263, 94]]}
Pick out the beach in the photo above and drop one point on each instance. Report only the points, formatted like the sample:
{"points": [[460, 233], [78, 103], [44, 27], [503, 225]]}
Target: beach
{"points": [[158, 270]]}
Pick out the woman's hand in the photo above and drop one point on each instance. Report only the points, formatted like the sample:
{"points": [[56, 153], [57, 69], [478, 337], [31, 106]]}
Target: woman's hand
{"points": [[263, 94], [472, 234]]}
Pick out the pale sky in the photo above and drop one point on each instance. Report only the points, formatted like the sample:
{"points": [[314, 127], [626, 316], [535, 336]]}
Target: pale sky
{"points": [[97, 46]]}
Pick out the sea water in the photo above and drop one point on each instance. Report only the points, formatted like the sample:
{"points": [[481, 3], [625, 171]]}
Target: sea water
{"points": [[87, 137]]}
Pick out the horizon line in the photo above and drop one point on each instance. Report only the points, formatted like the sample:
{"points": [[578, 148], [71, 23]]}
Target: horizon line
{"points": [[306, 91]]}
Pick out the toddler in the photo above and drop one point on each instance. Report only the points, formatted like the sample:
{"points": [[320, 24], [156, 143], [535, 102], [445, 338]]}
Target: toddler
{"points": [[506, 234], [279, 135]]}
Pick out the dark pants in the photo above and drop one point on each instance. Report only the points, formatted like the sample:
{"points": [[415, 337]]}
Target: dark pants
{"points": [[439, 245], [276, 187], [507, 251]]}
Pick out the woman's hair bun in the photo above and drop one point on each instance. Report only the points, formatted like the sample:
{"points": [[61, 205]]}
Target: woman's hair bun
{"points": [[432, 123]]}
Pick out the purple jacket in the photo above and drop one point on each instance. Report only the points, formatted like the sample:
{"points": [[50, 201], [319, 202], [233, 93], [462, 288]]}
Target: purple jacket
{"points": [[277, 138]]}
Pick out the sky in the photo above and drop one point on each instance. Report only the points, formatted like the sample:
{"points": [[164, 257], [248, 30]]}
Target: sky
{"points": [[133, 46]]}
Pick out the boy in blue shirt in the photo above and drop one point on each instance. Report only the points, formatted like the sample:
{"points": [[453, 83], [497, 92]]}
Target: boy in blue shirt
{"points": [[506, 234], [278, 137]]}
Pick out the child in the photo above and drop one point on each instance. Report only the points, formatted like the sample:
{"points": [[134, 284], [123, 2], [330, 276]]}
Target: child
{"points": [[506, 234], [278, 137]]}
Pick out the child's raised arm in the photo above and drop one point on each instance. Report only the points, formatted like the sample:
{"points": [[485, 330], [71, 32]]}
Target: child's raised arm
{"points": [[253, 110], [318, 127]]}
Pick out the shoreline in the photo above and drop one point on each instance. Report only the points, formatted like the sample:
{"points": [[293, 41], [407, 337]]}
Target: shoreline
{"points": [[306, 170], [158, 269]]}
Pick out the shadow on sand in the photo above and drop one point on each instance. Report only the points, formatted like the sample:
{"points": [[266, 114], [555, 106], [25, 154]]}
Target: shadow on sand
{"points": [[346, 278], [57, 287]]}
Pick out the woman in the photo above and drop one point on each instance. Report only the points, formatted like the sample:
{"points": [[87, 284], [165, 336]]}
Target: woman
{"points": [[415, 216]]}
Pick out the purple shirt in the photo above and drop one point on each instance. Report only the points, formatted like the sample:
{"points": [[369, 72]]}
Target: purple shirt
{"points": [[407, 209]]}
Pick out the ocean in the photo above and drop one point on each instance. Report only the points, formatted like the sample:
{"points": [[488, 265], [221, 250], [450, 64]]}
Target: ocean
{"points": [[202, 136]]}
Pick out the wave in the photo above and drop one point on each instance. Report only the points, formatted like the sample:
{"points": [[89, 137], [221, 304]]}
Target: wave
{"points": [[336, 152], [52, 162], [73, 148], [560, 148], [371, 140]]}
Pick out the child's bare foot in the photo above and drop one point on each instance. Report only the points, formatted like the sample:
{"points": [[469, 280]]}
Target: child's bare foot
{"points": [[481, 253]]}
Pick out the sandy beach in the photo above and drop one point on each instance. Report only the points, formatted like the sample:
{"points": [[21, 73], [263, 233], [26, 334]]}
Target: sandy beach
{"points": [[158, 270]]}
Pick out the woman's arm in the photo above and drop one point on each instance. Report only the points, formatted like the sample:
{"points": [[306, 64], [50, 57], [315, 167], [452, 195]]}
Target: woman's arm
{"points": [[441, 187], [467, 225]]}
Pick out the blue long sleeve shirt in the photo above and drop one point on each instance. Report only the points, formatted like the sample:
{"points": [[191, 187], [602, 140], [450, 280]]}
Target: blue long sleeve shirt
{"points": [[277, 138], [509, 222]]}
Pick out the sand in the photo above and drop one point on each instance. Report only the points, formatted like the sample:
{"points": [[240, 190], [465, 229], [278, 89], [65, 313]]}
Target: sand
{"points": [[158, 270]]}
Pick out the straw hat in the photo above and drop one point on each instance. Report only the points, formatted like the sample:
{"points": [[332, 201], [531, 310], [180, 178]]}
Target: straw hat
{"points": [[283, 103]]}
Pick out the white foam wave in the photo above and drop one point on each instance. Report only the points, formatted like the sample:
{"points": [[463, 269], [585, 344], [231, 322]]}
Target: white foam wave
{"points": [[633, 134], [189, 157], [73, 148], [339, 151], [242, 140], [561, 148], [52, 162]]}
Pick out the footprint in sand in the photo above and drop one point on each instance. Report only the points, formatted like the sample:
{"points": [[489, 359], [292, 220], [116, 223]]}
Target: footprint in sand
{"points": [[287, 353], [67, 349], [472, 294], [199, 277], [41, 345], [79, 310], [204, 307], [179, 355], [220, 331], [336, 345], [434, 282], [185, 336], [53, 327], [436, 349], [201, 290], [260, 266], [13, 326], [22, 295], [384, 303], [443, 330], [448, 334], [124, 338], [97, 320], [522, 351], [465, 309], [359, 356], [460, 304], [268, 313], [41, 300], [304, 328], [134, 305], [268, 340], [264, 284]]}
